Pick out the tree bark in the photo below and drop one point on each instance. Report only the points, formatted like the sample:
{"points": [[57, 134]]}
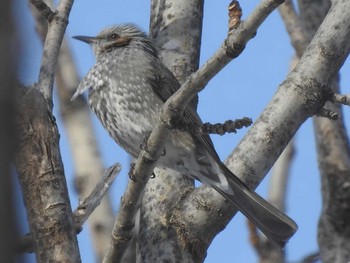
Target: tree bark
{"points": [[38, 158], [41, 174], [176, 30]]}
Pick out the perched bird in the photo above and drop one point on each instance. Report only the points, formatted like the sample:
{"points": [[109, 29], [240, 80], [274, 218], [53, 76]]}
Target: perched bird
{"points": [[128, 86]]}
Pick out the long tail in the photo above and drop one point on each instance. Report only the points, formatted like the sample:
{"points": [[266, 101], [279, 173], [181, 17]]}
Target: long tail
{"points": [[272, 222]]}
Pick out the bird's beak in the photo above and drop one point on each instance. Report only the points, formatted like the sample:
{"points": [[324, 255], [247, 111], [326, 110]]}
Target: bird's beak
{"points": [[89, 40]]}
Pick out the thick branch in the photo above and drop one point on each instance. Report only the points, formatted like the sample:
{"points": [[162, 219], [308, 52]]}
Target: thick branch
{"points": [[85, 207], [77, 120], [39, 161], [334, 161], [300, 96], [44, 188]]}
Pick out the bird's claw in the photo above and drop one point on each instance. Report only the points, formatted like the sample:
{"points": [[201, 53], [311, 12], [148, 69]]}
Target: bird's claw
{"points": [[132, 175]]}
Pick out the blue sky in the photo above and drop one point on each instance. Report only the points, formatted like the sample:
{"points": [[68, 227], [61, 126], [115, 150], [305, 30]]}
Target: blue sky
{"points": [[243, 88]]}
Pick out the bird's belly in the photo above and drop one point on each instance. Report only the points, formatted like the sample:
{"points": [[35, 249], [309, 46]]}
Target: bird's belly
{"points": [[128, 120]]}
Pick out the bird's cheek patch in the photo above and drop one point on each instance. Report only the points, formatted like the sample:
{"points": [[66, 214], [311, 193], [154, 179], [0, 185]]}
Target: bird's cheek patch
{"points": [[119, 42]]}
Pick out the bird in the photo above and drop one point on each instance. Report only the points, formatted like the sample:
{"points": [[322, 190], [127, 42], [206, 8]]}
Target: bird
{"points": [[127, 87]]}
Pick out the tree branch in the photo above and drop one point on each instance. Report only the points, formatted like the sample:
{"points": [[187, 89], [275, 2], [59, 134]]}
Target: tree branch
{"points": [[329, 114], [333, 158], [41, 175], [52, 46], [300, 96], [77, 120], [90, 203], [84, 209], [294, 27], [38, 158], [341, 98], [175, 105], [43, 9]]}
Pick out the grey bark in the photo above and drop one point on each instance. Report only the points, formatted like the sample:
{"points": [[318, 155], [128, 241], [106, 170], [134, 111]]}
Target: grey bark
{"points": [[333, 156], [44, 188], [300, 96], [333, 151], [38, 158], [176, 29], [82, 139]]}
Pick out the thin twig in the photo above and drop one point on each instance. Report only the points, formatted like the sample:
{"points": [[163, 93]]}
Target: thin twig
{"points": [[294, 27], [51, 50], [341, 98], [89, 204], [43, 8], [229, 126], [328, 114], [84, 209]]}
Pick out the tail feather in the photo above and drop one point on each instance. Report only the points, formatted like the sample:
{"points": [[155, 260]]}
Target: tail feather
{"points": [[272, 222]]}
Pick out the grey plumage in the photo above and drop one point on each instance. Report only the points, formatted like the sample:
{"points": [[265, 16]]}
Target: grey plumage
{"points": [[127, 88]]}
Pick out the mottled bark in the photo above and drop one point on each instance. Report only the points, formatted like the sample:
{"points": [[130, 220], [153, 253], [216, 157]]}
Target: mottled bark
{"points": [[300, 96], [38, 158], [176, 29], [333, 154], [41, 174], [82, 139]]}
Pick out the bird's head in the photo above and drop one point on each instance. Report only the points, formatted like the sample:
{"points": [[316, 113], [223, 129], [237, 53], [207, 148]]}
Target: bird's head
{"points": [[116, 37]]}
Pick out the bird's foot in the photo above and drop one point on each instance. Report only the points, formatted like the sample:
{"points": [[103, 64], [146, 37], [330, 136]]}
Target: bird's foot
{"points": [[131, 173]]}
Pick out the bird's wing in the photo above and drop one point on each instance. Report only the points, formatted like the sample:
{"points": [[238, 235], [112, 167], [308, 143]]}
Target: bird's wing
{"points": [[93, 77], [166, 85]]}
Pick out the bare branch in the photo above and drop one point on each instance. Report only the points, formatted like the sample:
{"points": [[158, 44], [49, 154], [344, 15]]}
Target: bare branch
{"points": [[78, 123], [331, 141], [41, 175], [125, 221], [297, 98], [85, 208], [341, 98], [294, 27], [229, 126], [315, 257], [52, 46], [43, 9], [328, 114], [38, 157], [231, 48], [279, 177]]}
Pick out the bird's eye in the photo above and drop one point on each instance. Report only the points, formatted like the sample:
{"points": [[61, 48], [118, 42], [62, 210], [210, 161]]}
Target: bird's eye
{"points": [[114, 36]]}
